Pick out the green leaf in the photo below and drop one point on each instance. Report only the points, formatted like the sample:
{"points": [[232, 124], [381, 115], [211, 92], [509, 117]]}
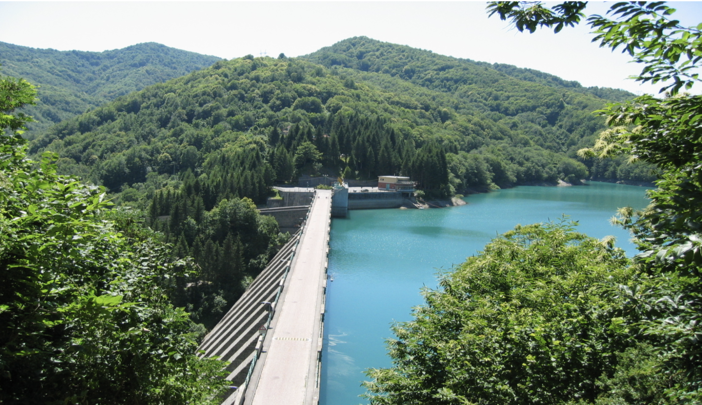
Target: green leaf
{"points": [[108, 300]]}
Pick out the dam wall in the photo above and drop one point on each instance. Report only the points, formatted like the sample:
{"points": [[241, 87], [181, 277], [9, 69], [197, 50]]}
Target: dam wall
{"points": [[344, 199], [273, 335], [289, 218], [294, 196], [374, 200], [340, 202], [308, 181]]}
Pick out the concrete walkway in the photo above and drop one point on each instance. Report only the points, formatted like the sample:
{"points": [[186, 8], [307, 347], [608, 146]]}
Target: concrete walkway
{"points": [[288, 370]]}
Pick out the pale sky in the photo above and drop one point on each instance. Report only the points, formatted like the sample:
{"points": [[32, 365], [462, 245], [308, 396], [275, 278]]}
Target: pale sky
{"points": [[231, 29]]}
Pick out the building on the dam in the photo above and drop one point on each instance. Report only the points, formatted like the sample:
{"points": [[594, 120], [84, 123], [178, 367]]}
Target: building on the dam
{"points": [[396, 183]]}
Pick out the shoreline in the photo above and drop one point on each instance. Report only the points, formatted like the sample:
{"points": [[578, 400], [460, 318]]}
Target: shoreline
{"points": [[457, 202], [452, 202], [627, 182]]}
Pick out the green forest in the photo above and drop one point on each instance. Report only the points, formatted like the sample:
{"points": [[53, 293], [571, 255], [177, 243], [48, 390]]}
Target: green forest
{"points": [[148, 164], [71, 82]]}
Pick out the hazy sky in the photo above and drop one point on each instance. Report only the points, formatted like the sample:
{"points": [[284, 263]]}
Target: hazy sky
{"points": [[231, 29]]}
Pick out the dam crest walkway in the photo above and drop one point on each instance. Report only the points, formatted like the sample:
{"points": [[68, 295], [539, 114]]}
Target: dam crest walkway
{"points": [[273, 334]]}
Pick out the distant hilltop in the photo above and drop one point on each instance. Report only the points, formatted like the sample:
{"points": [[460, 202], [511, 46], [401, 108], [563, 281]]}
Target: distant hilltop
{"points": [[71, 82]]}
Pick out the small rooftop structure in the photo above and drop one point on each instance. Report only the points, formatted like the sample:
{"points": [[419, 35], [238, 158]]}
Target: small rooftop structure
{"points": [[395, 183]]}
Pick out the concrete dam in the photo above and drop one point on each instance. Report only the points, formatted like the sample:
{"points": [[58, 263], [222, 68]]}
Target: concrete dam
{"points": [[272, 336]]}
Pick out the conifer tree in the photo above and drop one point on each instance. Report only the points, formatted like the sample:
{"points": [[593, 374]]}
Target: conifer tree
{"points": [[181, 249], [198, 209], [230, 268], [154, 208], [385, 161], [370, 164], [197, 249], [210, 260], [332, 158], [274, 137], [177, 216]]}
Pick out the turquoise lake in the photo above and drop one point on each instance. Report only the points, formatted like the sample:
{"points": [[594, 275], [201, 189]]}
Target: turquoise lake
{"points": [[380, 260]]}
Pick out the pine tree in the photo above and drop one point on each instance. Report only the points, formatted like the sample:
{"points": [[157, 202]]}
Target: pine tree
{"points": [[370, 165], [289, 139], [230, 268], [197, 249], [272, 156], [177, 216], [247, 186], [385, 164], [408, 156], [262, 188], [198, 209], [181, 249], [210, 260], [274, 137], [153, 209], [332, 158]]}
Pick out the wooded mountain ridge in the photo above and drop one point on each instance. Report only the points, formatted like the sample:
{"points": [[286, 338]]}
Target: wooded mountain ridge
{"points": [[425, 67], [552, 112], [92, 303], [73, 81]]}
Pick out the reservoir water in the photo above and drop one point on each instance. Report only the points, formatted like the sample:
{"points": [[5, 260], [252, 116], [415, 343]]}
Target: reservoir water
{"points": [[381, 259]]}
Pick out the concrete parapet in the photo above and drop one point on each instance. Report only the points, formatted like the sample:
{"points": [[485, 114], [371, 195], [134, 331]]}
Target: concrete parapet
{"points": [[309, 181], [289, 368], [361, 183]]}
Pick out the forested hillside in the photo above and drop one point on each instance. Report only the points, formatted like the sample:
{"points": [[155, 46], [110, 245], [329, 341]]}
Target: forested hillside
{"points": [[70, 82], [346, 121], [538, 108], [196, 153]]}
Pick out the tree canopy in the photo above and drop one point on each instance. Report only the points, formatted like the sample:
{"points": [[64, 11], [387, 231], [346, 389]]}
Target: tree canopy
{"points": [[85, 310], [526, 124], [533, 318]]}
